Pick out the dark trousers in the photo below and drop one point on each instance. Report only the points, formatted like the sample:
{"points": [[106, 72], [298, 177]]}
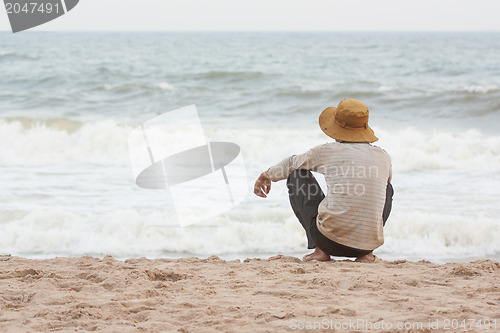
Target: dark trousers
{"points": [[305, 196]]}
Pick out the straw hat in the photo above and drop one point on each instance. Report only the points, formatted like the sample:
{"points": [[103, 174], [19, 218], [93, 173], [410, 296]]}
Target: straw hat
{"points": [[347, 122]]}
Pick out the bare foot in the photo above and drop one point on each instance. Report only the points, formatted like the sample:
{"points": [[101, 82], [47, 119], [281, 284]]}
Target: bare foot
{"points": [[370, 257], [317, 255]]}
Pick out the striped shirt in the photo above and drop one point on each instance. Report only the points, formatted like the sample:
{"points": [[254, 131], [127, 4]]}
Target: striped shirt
{"points": [[356, 175]]}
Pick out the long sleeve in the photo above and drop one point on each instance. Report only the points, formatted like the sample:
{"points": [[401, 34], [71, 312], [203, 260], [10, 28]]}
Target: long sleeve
{"points": [[307, 161]]}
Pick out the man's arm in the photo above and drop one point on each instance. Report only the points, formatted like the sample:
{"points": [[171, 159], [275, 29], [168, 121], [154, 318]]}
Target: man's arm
{"points": [[308, 161]]}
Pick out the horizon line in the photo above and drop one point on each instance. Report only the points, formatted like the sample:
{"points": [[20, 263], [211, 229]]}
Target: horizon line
{"points": [[264, 31]]}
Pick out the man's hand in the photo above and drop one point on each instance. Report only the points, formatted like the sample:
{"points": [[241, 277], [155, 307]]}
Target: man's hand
{"points": [[262, 185]]}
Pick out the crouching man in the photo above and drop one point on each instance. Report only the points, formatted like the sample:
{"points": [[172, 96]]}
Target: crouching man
{"points": [[349, 220]]}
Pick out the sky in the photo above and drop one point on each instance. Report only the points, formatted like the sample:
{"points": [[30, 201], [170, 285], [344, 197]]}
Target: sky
{"points": [[276, 15]]}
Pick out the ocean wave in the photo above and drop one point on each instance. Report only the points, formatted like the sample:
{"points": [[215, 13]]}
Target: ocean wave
{"points": [[13, 55], [478, 89], [232, 75], [29, 142], [131, 233], [62, 141], [441, 234], [6, 53], [299, 92], [126, 88], [166, 86], [446, 89], [315, 92], [57, 124], [414, 150]]}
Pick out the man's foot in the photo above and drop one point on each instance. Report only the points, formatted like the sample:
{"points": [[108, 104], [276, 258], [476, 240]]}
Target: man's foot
{"points": [[317, 255], [370, 257]]}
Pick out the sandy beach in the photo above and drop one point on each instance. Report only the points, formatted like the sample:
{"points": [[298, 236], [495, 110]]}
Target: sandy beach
{"points": [[70, 102], [254, 295]]}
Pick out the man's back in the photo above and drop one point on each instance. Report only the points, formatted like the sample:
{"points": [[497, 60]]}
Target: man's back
{"points": [[348, 221], [356, 175]]}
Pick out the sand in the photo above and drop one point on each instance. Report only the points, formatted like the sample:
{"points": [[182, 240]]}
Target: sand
{"points": [[256, 295]]}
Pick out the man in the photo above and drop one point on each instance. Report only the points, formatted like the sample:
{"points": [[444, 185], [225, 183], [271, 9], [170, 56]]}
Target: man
{"points": [[349, 220]]}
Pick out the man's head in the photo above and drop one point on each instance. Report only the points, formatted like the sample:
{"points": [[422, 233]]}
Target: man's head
{"points": [[347, 122]]}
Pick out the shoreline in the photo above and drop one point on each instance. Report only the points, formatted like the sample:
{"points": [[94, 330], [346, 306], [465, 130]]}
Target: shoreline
{"points": [[263, 256], [253, 295]]}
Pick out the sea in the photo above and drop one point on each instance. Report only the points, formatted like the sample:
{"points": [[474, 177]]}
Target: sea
{"points": [[69, 102]]}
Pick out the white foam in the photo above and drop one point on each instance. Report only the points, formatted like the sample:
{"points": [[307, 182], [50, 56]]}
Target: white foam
{"points": [[104, 142], [128, 233], [435, 174], [414, 150], [166, 86], [387, 88], [441, 234], [480, 89], [446, 89]]}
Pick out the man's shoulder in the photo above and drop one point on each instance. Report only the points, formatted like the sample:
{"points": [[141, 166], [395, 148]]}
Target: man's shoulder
{"points": [[362, 148], [327, 148], [328, 145], [380, 148], [382, 151]]}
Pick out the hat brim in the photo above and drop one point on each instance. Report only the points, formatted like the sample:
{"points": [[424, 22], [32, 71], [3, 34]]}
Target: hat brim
{"points": [[330, 128]]}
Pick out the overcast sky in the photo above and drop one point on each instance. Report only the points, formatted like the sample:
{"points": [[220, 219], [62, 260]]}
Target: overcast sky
{"points": [[301, 15]]}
